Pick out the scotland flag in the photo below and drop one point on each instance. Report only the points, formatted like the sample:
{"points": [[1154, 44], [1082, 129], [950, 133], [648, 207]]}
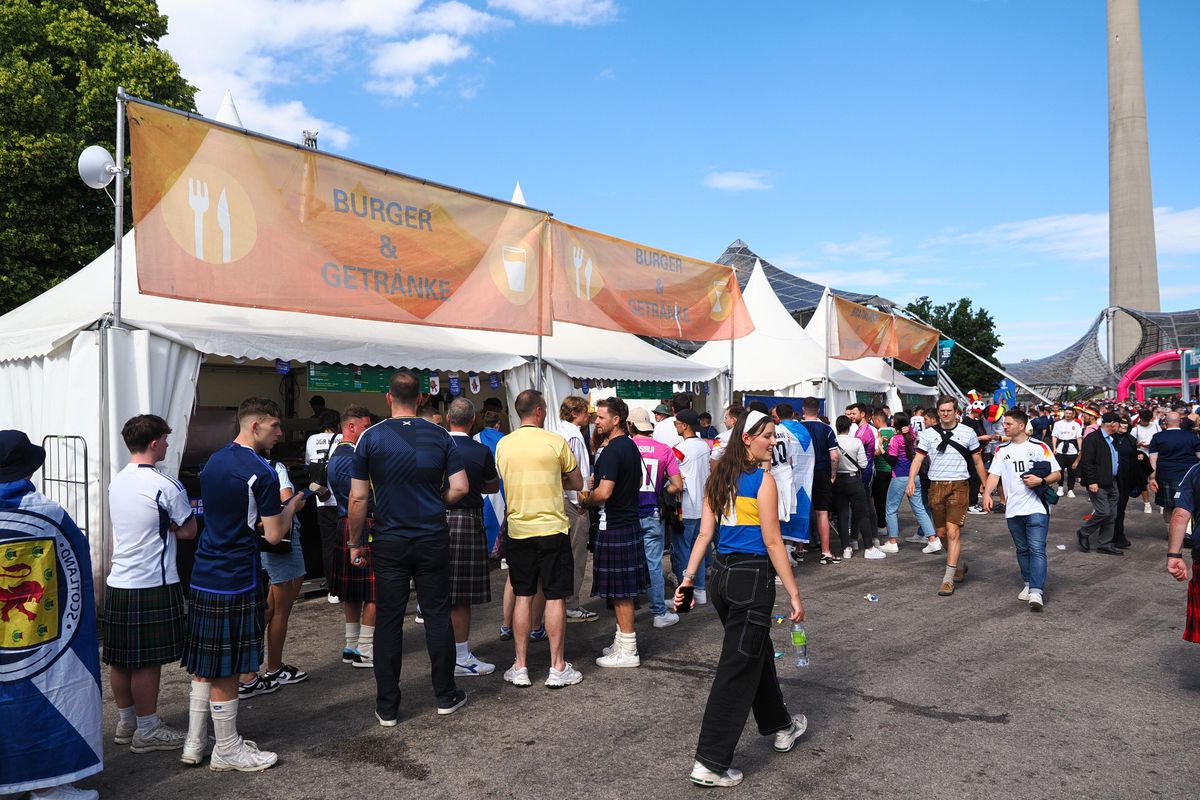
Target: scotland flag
{"points": [[49, 665], [494, 507], [803, 463]]}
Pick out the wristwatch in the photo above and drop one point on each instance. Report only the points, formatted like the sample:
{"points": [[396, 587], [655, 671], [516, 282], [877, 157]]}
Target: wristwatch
{"points": [[689, 576], [353, 545]]}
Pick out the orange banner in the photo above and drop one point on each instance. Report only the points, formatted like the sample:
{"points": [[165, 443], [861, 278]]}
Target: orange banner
{"points": [[861, 332], [226, 217], [914, 342], [617, 285]]}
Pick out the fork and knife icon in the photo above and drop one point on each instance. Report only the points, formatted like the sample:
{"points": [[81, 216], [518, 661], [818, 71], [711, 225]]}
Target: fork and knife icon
{"points": [[198, 202], [583, 290]]}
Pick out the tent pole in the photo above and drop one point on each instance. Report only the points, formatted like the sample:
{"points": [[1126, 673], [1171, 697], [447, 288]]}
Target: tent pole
{"points": [[119, 225], [537, 378], [828, 344], [731, 341]]}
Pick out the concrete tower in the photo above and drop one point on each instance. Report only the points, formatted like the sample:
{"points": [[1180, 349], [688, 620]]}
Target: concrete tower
{"points": [[1132, 259]]}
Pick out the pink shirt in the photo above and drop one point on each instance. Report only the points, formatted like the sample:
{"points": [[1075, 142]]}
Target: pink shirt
{"points": [[658, 464]]}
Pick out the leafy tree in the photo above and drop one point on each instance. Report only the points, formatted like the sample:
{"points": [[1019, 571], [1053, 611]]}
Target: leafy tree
{"points": [[60, 64], [972, 327]]}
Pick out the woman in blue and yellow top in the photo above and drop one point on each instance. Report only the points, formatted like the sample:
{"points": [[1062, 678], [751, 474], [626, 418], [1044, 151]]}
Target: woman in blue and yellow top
{"points": [[741, 495]]}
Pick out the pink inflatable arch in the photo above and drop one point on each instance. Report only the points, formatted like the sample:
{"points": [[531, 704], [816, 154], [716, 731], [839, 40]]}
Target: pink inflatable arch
{"points": [[1137, 369]]}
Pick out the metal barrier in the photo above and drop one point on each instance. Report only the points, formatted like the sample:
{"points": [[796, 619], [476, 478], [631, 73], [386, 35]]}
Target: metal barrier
{"points": [[64, 477]]}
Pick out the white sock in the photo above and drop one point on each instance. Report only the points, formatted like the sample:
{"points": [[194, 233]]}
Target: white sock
{"points": [[628, 641], [224, 717], [198, 711], [147, 724], [366, 641], [127, 715], [462, 651], [352, 634], [949, 576]]}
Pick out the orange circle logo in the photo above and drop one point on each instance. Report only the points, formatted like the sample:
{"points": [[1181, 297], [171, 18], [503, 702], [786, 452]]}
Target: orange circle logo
{"points": [[514, 270], [210, 215]]}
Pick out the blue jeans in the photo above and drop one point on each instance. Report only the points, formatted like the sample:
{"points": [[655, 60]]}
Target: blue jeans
{"points": [[681, 551], [652, 540], [1029, 535], [895, 498]]}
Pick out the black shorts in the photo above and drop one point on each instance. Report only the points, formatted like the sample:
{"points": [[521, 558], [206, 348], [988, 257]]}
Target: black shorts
{"points": [[822, 490], [541, 559]]}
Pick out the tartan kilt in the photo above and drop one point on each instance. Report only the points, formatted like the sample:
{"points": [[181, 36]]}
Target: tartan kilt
{"points": [[225, 633], [144, 627], [349, 582], [619, 562], [469, 580], [1191, 628]]}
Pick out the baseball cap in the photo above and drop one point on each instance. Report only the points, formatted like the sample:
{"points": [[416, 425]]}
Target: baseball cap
{"points": [[1111, 416], [661, 408], [688, 416], [639, 418]]}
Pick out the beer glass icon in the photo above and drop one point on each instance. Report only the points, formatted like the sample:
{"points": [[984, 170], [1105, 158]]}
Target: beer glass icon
{"points": [[718, 289], [514, 267]]}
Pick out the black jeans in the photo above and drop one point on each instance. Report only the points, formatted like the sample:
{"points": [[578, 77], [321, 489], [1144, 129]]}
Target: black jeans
{"points": [[425, 561], [742, 590], [879, 493], [1119, 523], [1065, 460], [850, 502], [327, 517]]}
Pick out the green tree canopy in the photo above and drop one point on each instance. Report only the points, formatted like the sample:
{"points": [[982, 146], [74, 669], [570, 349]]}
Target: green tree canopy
{"points": [[972, 327], [61, 62]]}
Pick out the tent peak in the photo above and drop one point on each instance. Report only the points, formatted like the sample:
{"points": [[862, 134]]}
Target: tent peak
{"points": [[228, 112], [518, 196]]}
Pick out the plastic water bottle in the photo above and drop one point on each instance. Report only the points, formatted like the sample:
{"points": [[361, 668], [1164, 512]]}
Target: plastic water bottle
{"points": [[800, 644]]}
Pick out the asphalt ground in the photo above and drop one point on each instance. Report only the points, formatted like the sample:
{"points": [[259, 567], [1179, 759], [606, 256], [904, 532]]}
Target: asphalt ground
{"points": [[921, 696]]}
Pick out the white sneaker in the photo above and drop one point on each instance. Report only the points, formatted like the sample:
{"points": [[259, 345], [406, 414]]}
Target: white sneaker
{"points": [[1024, 595], [1070, 493], [333, 599], [786, 740], [916, 538], [1060, 491], [125, 732], [504, 563], [244, 758], [473, 667], [703, 776], [518, 677], [194, 751], [874, 554], [164, 737], [1035, 601], [1149, 509], [569, 676], [64, 792], [890, 547], [700, 596], [623, 654], [934, 546], [848, 553], [665, 619], [976, 509]]}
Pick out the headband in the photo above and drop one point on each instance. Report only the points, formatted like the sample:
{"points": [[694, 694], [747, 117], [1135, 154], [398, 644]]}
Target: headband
{"points": [[752, 418]]}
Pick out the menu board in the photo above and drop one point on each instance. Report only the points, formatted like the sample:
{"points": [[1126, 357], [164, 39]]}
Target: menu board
{"points": [[644, 390], [344, 378]]}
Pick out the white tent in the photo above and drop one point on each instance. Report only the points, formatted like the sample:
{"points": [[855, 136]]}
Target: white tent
{"points": [[779, 356], [877, 368]]}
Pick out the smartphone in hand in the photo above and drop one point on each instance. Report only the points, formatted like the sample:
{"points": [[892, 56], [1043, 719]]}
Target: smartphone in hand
{"points": [[688, 593]]}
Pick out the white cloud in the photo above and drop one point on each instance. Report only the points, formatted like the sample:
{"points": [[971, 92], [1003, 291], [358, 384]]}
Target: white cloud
{"points": [[737, 181], [398, 66], [560, 12], [868, 247], [459, 19]]}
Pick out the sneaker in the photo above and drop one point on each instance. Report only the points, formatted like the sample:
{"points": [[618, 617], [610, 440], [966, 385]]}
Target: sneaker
{"points": [[64, 791], [665, 619], [505, 633], [932, 546], [703, 776], [1060, 491], [385, 722], [362, 661], [417, 618], [287, 674], [1149, 509], [1024, 595], [701, 596], [620, 658], [1035, 601], [348, 654], [244, 758], [333, 599], [473, 667], [581, 615], [164, 737], [960, 572], [946, 589], [786, 740], [194, 751], [890, 547], [517, 677], [874, 554], [460, 700], [829, 558], [504, 563], [260, 685], [539, 634], [1070, 493], [848, 553], [976, 509], [916, 538], [569, 676], [125, 732]]}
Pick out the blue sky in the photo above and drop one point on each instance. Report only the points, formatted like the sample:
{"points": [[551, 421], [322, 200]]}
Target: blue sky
{"points": [[943, 147]]}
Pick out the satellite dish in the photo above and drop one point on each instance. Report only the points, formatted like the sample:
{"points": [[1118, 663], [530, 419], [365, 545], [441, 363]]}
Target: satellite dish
{"points": [[96, 167]]}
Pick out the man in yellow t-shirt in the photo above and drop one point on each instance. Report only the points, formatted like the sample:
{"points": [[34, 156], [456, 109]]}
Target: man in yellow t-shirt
{"points": [[536, 465]]}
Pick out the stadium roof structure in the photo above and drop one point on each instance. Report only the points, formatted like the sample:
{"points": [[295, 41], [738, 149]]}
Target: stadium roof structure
{"points": [[1083, 363]]}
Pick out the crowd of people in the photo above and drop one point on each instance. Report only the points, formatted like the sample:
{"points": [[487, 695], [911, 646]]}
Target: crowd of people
{"points": [[405, 504]]}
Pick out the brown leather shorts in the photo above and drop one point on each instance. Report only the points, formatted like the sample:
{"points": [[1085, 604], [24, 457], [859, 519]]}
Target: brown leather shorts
{"points": [[948, 500]]}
